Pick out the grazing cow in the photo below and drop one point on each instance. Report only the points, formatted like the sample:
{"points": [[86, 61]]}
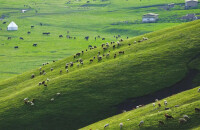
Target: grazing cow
{"points": [[16, 47], [4, 22], [167, 108], [103, 38], [28, 32], [60, 36], [197, 109], [32, 26], [78, 54], [141, 123], [9, 38], [115, 55], [91, 60], [121, 52], [71, 64], [46, 33], [32, 76], [104, 48], [43, 82], [35, 44], [161, 122], [95, 46], [21, 38], [87, 38], [99, 58], [168, 116], [45, 85]]}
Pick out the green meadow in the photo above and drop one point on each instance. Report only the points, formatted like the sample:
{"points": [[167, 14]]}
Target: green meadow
{"points": [[101, 17], [75, 97], [92, 91]]}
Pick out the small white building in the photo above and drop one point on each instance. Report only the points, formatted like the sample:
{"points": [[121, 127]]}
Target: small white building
{"points": [[12, 26], [150, 18], [191, 3]]}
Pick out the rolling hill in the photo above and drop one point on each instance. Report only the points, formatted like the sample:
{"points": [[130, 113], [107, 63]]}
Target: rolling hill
{"points": [[100, 17], [93, 91]]}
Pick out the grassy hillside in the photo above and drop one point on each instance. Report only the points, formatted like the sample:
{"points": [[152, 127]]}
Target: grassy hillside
{"points": [[104, 18], [90, 92], [187, 101]]}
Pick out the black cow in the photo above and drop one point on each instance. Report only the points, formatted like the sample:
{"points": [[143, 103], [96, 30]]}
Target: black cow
{"points": [[46, 33], [28, 32], [86, 38], [32, 26], [103, 38], [60, 35], [16, 47], [21, 38], [4, 22], [35, 44]]}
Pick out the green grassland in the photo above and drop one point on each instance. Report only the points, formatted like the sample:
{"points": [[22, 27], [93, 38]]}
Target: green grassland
{"points": [[187, 101], [104, 18], [90, 92]]}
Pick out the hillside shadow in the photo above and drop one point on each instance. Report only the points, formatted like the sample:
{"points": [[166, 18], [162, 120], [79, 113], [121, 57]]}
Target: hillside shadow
{"points": [[183, 85]]}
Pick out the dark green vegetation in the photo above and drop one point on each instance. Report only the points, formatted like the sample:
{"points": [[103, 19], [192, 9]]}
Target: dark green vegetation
{"points": [[90, 92], [105, 18]]}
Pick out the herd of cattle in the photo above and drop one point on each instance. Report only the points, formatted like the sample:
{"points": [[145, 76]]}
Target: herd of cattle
{"points": [[181, 120]]}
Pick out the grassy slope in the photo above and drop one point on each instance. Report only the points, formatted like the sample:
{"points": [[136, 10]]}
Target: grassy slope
{"points": [[58, 17], [89, 93], [187, 101]]}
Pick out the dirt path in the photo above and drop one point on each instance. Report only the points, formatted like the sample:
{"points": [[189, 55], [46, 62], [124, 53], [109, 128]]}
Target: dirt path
{"points": [[184, 84]]}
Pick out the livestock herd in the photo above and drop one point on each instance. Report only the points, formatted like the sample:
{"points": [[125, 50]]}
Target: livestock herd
{"points": [[181, 120], [106, 46]]}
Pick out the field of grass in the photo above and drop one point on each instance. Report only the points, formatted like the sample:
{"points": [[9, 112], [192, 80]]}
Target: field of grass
{"points": [[104, 18], [187, 101], [90, 92]]}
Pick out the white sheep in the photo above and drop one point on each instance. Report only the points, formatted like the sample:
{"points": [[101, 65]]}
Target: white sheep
{"points": [[32, 104], [186, 117], [199, 90], [106, 125], [137, 107], [48, 80], [154, 104], [121, 125], [52, 99], [156, 100], [182, 120], [165, 102], [44, 73], [77, 65], [57, 94], [128, 119], [26, 99], [40, 68], [135, 41], [141, 123]]}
